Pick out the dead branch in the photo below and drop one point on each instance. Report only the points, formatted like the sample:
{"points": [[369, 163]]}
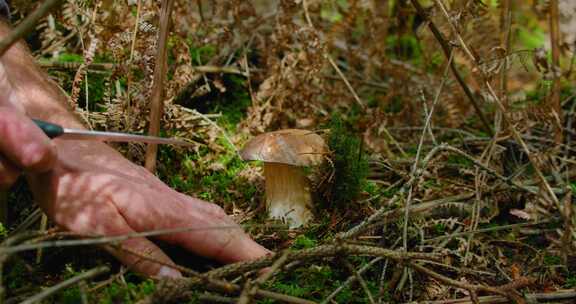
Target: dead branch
{"points": [[544, 297], [27, 25], [160, 69], [446, 48], [209, 279], [508, 290]]}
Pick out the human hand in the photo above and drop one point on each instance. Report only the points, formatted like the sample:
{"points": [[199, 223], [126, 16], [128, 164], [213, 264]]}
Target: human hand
{"points": [[93, 190], [89, 188], [23, 146]]}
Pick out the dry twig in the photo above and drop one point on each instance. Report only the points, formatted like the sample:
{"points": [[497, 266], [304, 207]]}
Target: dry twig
{"points": [[65, 284], [27, 25], [160, 68]]}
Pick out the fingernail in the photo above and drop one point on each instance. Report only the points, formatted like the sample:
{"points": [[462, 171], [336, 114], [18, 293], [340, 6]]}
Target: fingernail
{"points": [[169, 272]]}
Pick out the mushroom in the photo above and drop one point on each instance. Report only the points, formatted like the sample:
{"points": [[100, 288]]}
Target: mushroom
{"points": [[284, 154]]}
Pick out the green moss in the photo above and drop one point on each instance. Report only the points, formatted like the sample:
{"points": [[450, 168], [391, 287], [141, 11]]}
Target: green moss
{"points": [[459, 160], [531, 38], [97, 86], [218, 179], [66, 57], [201, 55], [371, 188], [15, 276], [3, 231], [303, 242], [70, 296], [551, 260], [570, 281], [315, 282], [130, 292], [404, 47], [234, 104], [350, 164], [440, 228]]}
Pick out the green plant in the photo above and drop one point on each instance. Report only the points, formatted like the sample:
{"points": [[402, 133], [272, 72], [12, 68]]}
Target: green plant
{"points": [[302, 242], [129, 292], [551, 260], [350, 164], [3, 231], [570, 281]]}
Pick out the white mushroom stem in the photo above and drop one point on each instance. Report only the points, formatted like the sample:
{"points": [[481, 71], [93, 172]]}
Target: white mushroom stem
{"points": [[288, 194]]}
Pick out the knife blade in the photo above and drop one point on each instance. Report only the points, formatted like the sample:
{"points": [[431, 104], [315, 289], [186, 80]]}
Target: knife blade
{"points": [[56, 131]]}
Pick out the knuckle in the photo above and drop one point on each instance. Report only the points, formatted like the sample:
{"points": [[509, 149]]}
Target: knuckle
{"points": [[217, 211], [38, 156], [23, 143]]}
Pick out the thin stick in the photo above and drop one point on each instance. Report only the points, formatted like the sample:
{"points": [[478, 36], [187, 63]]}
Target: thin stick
{"points": [[230, 287], [129, 109], [27, 25], [555, 43], [91, 240], [135, 33], [160, 71], [506, 27], [384, 213], [62, 285], [224, 133], [378, 215], [505, 290], [212, 298], [489, 229], [446, 48], [419, 151], [540, 297], [333, 64], [319, 252], [43, 227], [251, 288], [351, 279], [360, 280], [498, 101]]}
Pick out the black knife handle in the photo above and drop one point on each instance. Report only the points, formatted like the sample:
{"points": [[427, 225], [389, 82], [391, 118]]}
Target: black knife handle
{"points": [[51, 130]]}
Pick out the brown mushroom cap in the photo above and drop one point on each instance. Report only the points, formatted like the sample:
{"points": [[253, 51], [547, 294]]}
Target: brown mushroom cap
{"points": [[291, 146]]}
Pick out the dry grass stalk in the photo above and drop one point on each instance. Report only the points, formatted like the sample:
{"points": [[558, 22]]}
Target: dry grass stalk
{"points": [[160, 68], [555, 43]]}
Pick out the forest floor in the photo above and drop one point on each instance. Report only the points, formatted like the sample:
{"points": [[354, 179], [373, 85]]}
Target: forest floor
{"points": [[449, 176]]}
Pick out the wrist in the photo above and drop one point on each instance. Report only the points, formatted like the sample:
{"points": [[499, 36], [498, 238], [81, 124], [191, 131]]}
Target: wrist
{"points": [[32, 89]]}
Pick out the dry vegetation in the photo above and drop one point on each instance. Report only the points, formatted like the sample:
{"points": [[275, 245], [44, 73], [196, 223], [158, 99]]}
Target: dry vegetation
{"points": [[452, 132]]}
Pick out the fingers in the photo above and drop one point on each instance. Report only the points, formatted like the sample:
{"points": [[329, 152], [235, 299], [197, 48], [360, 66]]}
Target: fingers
{"points": [[23, 143], [217, 236], [139, 254], [84, 204], [8, 174], [143, 256]]}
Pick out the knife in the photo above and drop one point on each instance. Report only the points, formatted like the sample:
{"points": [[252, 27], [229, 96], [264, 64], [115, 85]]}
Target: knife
{"points": [[53, 130]]}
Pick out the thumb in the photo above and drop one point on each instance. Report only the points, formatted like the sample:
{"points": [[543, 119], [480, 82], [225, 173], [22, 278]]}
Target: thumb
{"points": [[23, 143]]}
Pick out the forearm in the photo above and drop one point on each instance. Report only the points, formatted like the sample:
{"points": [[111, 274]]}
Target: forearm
{"points": [[35, 92]]}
